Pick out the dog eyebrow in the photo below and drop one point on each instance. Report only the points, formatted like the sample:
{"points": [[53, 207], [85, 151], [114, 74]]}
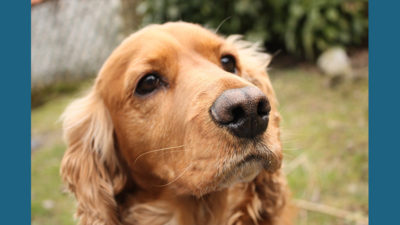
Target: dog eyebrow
{"points": [[158, 61], [208, 48]]}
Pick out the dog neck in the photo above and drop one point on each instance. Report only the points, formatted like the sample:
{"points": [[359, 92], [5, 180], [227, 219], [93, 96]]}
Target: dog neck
{"points": [[165, 208]]}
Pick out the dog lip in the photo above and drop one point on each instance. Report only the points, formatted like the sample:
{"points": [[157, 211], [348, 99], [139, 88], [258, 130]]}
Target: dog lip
{"points": [[269, 161], [250, 158], [253, 158]]}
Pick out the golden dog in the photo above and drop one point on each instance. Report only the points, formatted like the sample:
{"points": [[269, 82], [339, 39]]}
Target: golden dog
{"points": [[181, 127]]}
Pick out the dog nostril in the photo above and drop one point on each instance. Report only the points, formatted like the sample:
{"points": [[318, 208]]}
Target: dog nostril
{"points": [[237, 113], [263, 108], [243, 111]]}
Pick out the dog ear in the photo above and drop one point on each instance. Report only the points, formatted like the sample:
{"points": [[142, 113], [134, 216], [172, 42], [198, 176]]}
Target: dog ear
{"points": [[90, 166]]}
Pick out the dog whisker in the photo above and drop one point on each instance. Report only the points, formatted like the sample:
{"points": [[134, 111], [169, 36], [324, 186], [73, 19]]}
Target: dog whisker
{"points": [[207, 207], [158, 150], [180, 175], [223, 21]]}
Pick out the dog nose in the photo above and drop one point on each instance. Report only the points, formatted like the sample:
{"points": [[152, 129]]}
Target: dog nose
{"points": [[243, 111]]}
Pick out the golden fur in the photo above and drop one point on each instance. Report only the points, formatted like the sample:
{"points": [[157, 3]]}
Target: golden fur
{"points": [[160, 159]]}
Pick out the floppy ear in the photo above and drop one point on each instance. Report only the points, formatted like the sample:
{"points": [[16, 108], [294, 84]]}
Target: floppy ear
{"points": [[90, 166], [266, 195]]}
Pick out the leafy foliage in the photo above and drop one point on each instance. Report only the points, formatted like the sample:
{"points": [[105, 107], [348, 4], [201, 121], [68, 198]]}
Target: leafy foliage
{"points": [[301, 27]]}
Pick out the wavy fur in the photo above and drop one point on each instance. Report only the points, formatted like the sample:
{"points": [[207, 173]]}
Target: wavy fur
{"points": [[154, 160]]}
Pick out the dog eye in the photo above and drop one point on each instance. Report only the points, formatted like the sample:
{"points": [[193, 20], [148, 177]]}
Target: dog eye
{"points": [[229, 63], [148, 84]]}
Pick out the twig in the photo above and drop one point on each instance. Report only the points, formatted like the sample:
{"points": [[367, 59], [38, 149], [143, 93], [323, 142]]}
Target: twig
{"points": [[311, 206], [288, 168]]}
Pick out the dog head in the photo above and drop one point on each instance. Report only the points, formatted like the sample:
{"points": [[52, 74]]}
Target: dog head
{"points": [[175, 106]]}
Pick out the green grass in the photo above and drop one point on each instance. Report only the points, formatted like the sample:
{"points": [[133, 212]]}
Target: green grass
{"points": [[324, 133], [326, 130], [46, 186]]}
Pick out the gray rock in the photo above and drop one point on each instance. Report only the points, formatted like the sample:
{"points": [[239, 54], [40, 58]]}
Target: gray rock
{"points": [[335, 62], [336, 65]]}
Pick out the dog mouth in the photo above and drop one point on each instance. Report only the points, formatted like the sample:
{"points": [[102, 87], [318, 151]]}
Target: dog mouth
{"points": [[265, 161], [258, 153], [248, 167]]}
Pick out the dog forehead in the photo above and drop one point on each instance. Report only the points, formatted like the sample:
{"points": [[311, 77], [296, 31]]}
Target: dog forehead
{"points": [[178, 35], [188, 30]]}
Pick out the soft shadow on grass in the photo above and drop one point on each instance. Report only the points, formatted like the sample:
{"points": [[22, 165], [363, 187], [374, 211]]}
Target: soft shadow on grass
{"points": [[324, 133]]}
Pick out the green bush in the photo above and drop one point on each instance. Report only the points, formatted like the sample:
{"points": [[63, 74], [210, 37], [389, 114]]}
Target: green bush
{"points": [[301, 27]]}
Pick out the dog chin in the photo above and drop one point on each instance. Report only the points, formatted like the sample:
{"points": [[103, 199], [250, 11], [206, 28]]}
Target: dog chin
{"points": [[243, 173], [250, 172]]}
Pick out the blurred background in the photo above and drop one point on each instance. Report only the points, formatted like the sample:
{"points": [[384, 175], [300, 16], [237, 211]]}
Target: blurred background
{"points": [[319, 71]]}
